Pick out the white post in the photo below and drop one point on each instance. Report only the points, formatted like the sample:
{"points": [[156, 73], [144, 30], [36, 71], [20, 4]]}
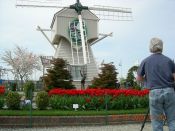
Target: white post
{"points": [[38, 28], [82, 39], [71, 46]]}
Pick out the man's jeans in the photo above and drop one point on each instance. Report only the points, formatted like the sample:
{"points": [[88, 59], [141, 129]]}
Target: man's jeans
{"points": [[162, 101]]}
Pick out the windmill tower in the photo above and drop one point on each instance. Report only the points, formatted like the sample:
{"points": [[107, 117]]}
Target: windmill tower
{"points": [[74, 30]]}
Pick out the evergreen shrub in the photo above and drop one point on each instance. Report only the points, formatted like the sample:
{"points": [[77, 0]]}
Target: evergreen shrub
{"points": [[42, 100], [13, 100]]}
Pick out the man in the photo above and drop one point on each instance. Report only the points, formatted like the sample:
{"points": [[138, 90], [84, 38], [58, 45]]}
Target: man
{"points": [[158, 73]]}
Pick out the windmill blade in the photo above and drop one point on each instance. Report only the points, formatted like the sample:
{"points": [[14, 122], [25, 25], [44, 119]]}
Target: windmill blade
{"points": [[39, 3], [41, 6], [112, 13], [103, 12]]}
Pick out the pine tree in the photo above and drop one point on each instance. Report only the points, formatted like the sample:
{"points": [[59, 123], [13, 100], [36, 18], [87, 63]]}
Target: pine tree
{"points": [[107, 78], [131, 80], [58, 76]]}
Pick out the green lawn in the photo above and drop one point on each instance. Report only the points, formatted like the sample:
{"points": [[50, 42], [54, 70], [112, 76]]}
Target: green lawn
{"points": [[68, 113]]}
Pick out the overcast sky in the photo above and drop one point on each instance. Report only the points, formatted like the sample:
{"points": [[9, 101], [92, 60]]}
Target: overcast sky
{"points": [[130, 41]]}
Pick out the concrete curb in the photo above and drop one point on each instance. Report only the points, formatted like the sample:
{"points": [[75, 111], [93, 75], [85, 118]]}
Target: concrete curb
{"points": [[56, 121]]}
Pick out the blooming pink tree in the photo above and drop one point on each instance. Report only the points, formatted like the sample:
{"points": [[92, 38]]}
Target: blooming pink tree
{"points": [[22, 62]]}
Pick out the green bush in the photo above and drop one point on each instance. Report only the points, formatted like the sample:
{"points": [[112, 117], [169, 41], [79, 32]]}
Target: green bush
{"points": [[42, 100], [1, 101], [13, 100], [28, 89]]}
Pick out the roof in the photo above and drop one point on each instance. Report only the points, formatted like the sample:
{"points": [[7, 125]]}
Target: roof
{"points": [[71, 13]]}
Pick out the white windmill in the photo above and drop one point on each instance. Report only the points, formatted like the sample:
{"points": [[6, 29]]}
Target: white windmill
{"points": [[74, 30]]}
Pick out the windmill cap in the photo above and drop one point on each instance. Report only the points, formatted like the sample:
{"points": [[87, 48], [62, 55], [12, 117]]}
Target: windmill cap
{"points": [[156, 45]]}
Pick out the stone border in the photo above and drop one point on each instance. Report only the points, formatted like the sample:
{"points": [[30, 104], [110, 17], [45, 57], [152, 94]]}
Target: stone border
{"points": [[55, 121]]}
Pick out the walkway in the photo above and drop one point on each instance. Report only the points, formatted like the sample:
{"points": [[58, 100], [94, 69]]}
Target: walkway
{"points": [[128, 127]]}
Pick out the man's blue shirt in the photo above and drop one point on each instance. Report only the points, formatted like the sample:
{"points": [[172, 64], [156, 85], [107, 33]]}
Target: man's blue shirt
{"points": [[157, 70]]}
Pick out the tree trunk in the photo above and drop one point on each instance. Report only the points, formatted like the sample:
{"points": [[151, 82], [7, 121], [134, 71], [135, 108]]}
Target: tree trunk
{"points": [[22, 82]]}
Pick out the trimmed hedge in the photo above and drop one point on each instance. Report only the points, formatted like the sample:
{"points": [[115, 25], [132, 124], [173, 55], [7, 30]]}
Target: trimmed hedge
{"points": [[13, 100], [42, 100]]}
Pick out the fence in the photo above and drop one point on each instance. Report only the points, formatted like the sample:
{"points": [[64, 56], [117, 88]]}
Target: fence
{"points": [[16, 85]]}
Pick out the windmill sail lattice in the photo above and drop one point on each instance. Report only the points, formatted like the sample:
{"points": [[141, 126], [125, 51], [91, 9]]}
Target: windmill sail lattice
{"points": [[103, 12]]}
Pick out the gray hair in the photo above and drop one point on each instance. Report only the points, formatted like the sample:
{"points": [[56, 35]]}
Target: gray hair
{"points": [[156, 45]]}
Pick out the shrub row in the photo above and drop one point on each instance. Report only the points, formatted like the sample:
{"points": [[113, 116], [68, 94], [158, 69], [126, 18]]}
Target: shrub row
{"points": [[13, 101]]}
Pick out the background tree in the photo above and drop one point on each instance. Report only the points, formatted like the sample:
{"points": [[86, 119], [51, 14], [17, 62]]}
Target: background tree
{"points": [[107, 78], [58, 76], [131, 79], [22, 62]]}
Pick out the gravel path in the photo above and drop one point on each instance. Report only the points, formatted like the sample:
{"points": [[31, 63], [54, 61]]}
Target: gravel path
{"points": [[128, 127]]}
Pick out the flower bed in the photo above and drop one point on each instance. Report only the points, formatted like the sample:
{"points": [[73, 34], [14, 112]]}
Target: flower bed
{"points": [[98, 99], [2, 90]]}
